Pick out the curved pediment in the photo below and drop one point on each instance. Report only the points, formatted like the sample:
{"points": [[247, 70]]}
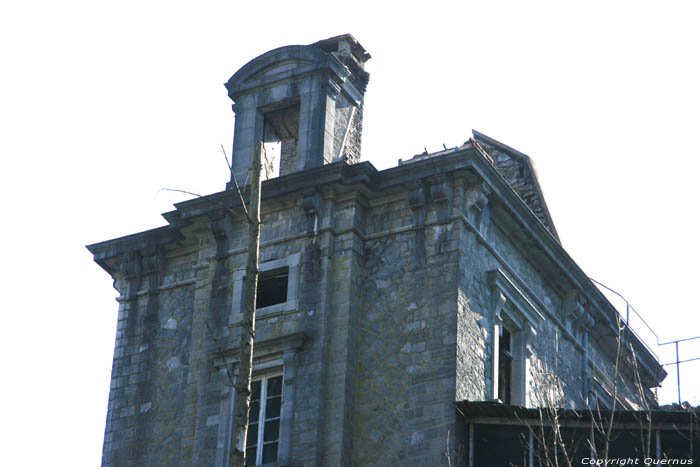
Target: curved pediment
{"points": [[275, 65]]}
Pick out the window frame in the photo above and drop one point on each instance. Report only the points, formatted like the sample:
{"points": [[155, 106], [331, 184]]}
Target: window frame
{"points": [[513, 311], [505, 394], [275, 355], [260, 442], [290, 262]]}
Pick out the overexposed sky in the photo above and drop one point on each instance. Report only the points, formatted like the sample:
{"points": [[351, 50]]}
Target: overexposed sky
{"points": [[104, 103]]}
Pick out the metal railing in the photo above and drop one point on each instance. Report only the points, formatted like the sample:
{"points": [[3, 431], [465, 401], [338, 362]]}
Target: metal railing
{"points": [[656, 336]]}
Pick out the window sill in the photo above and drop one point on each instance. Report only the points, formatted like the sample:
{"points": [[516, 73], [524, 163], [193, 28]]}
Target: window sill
{"points": [[269, 311]]}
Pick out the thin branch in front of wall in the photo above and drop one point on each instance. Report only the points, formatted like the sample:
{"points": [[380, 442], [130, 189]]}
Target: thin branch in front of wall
{"points": [[235, 182], [228, 209], [230, 168]]}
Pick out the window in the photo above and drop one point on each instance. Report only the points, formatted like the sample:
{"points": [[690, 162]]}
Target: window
{"points": [[511, 364], [272, 400], [505, 367], [515, 321], [280, 135], [277, 288], [264, 425], [272, 288]]}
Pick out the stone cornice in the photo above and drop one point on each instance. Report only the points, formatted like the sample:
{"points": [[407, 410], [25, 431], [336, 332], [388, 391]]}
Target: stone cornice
{"points": [[118, 247], [546, 251]]}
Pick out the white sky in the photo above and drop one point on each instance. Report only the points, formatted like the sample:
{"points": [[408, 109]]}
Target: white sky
{"points": [[104, 103]]}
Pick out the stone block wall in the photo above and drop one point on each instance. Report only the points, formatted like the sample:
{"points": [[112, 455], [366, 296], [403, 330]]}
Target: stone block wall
{"points": [[347, 141], [150, 369], [394, 322], [288, 157], [405, 411]]}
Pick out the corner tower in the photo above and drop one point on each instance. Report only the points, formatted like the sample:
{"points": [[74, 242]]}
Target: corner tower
{"points": [[304, 101]]}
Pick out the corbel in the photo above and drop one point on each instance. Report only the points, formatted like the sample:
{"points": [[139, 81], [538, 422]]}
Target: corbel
{"points": [[312, 207], [498, 303], [311, 202], [416, 196], [585, 322], [150, 266], [218, 223], [441, 195], [130, 270], [458, 191], [440, 189], [573, 306], [529, 333], [478, 208]]}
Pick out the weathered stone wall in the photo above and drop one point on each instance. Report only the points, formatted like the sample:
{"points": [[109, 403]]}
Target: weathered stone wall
{"points": [[348, 130], [288, 157], [554, 359], [150, 370], [396, 309], [405, 407], [473, 374]]}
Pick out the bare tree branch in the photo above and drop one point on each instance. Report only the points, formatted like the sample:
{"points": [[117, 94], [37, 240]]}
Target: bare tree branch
{"points": [[230, 167], [228, 209], [235, 182]]}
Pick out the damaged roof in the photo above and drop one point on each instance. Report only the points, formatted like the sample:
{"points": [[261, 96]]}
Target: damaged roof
{"points": [[519, 171]]}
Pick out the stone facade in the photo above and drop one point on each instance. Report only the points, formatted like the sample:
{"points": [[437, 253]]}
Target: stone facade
{"points": [[400, 284]]}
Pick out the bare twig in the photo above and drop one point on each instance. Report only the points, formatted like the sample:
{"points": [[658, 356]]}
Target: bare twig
{"points": [[230, 167], [238, 188], [447, 449], [608, 432], [228, 209]]}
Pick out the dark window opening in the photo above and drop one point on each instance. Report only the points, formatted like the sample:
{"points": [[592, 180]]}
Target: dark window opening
{"points": [[505, 367], [272, 288]]}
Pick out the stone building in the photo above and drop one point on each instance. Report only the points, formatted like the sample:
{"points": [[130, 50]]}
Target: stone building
{"points": [[385, 297]]}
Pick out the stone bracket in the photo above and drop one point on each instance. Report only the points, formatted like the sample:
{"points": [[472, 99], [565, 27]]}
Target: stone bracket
{"points": [[478, 211], [130, 270], [441, 195]]}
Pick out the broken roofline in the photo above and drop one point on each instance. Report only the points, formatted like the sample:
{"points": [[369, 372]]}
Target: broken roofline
{"points": [[531, 166], [364, 178]]}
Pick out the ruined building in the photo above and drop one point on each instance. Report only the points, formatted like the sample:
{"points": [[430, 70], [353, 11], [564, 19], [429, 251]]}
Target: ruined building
{"points": [[386, 298]]}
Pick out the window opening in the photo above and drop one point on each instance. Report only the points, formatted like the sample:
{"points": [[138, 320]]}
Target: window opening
{"points": [[505, 367], [272, 288], [264, 420], [280, 135]]}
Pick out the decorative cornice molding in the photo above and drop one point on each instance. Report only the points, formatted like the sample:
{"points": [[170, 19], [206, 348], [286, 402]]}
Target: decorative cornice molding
{"points": [[501, 285]]}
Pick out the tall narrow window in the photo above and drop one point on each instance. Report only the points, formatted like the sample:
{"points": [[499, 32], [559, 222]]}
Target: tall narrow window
{"points": [[505, 367], [264, 426], [280, 135]]}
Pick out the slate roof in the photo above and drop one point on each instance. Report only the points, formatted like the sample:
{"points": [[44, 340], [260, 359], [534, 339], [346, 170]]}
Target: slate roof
{"points": [[519, 171]]}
